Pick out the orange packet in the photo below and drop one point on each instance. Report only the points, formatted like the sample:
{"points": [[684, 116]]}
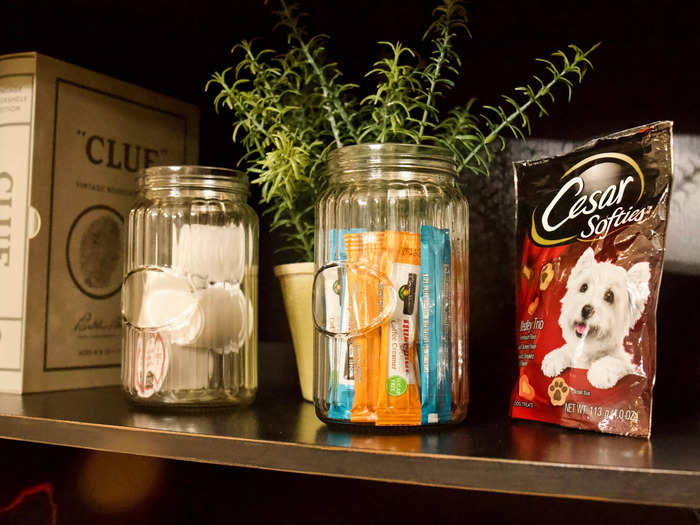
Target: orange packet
{"points": [[373, 250], [367, 307], [357, 310], [398, 401]]}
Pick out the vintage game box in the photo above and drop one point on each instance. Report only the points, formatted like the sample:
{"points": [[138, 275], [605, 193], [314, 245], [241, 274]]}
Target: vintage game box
{"points": [[71, 144]]}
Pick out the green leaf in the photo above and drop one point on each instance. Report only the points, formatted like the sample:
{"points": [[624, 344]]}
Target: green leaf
{"points": [[290, 108]]}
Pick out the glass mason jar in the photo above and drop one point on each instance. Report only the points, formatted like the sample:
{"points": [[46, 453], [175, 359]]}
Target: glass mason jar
{"points": [[189, 294], [391, 288]]}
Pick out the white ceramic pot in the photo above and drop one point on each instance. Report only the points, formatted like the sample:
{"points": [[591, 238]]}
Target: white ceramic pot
{"points": [[296, 280]]}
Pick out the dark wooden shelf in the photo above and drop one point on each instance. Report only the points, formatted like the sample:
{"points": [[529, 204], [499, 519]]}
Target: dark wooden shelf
{"points": [[281, 432]]}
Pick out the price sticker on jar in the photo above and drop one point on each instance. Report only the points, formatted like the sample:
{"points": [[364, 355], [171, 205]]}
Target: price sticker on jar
{"points": [[152, 356]]}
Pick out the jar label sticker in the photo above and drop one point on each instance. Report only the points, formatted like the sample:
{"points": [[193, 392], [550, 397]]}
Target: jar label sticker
{"points": [[152, 356], [396, 386]]}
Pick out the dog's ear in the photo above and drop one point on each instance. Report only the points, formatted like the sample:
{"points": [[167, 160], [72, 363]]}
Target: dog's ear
{"points": [[584, 262], [638, 289]]}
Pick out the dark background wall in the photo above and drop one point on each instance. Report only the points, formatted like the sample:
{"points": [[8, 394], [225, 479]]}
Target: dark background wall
{"points": [[646, 69]]}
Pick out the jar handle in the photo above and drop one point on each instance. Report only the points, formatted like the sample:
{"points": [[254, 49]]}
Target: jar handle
{"points": [[154, 298], [351, 298]]}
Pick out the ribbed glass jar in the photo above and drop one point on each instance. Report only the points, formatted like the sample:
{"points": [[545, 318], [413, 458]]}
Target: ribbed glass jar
{"points": [[391, 288], [189, 295]]}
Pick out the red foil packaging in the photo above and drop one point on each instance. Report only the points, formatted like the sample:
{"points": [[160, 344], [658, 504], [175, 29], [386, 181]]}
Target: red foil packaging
{"points": [[590, 229]]}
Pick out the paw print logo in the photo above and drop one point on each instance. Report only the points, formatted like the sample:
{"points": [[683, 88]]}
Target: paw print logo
{"points": [[558, 390]]}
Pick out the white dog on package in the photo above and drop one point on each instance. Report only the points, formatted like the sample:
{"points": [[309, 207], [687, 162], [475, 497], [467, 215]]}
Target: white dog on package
{"points": [[602, 303]]}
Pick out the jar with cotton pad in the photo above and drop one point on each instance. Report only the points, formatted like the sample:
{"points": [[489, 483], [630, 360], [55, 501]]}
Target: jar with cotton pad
{"points": [[189, 294]]}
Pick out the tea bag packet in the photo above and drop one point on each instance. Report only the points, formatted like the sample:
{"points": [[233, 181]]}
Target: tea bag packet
{"points": [[357, 312], [459, 317], [399, 401], [374, 255], [435, 325], [590, 230], [444, 297], [387, 303], [429, 320], [340, 349], [365, 299]]}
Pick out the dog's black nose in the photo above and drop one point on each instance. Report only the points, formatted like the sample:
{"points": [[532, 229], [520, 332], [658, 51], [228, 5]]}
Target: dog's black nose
{"points": [[587, 311]]}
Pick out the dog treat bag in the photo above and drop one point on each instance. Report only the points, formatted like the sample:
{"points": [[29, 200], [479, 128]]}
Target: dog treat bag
{"points": [[590, 232]]}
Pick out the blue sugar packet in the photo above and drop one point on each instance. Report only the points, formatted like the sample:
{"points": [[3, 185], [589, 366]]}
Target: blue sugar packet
{"points": [[340, 351], [434, 322]]}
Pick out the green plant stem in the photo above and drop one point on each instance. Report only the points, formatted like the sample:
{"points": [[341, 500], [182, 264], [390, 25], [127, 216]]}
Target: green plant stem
{"points": [[242, 110], [297, 221], [433, 83], [324, 89], [331, 101], [396, 80], [543, 91], [303, 234], [259, 128]]}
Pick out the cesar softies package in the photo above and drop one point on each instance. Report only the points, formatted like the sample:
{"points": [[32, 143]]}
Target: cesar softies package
{"points": [[590, 236]]}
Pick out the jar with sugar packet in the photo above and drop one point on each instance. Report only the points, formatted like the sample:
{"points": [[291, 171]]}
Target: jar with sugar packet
{"points": [[189, 294], [391, 288]]}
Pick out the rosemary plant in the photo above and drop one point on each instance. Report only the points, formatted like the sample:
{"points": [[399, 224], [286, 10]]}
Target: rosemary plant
{"points": [[291, 108]]}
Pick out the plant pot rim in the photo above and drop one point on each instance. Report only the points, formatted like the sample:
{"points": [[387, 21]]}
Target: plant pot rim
{"points": [[294, 268]]}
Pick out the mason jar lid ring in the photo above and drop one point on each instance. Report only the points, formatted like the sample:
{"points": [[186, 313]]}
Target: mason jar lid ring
{"points": [[403, 160], [193, 178]]}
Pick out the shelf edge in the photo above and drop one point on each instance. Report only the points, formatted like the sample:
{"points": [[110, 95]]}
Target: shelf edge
{"points": [[654, 487]]}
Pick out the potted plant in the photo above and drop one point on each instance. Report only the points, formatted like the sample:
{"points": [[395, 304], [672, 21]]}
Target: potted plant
{"points": [[291, 108]]}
